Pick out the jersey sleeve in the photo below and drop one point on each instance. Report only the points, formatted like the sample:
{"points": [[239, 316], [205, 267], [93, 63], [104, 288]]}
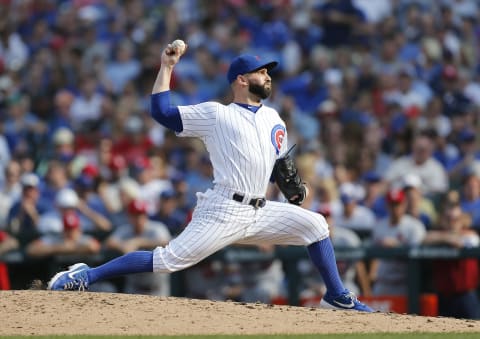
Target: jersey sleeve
{"points": [[198, 120]]}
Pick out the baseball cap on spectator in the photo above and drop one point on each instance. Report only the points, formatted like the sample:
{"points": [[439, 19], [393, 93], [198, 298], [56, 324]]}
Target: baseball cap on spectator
{"points": [[325, 210], [177, 177], [450, 72], [70, 220], [327, 107], [467, 135], [395, 196], [349, 192], [134, 124], [85, 181], [66, 198], [411, 180], [29, 180], [412, 111], [117, 163], [137, 207], [246, 63], [63, 136], [472, 170], [168, 194], [140, 164], [372, 177], [90, 170]]}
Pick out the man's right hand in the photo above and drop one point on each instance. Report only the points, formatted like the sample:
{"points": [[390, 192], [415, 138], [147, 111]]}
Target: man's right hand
{"points": [[171, 55]]}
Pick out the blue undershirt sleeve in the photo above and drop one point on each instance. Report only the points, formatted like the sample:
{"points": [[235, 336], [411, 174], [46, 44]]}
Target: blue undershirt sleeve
{"points": [[163, 113]]}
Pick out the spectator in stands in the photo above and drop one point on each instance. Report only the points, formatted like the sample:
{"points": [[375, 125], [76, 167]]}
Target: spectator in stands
{"points": [[13, 50], [56, 178], [86, 187], [61, 119], [124, 68], [150, 174], [135, 143], [125, 190], [169, 213], [354, 216], [5, 154], [87, 104], [260, 279], [353, 273], [63, 145], [374, 196], [67, 200], [399, 229], [341, 22], [418, 206], [7, 243], [422, 163], [199, 173], [10, 190], [141, 233], [455, 280], [469, 155], [71, 240], [470, 194], [22, 128], [24, 215]]}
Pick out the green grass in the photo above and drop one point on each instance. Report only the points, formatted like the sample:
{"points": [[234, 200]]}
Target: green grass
{"points": [[305, 336]]}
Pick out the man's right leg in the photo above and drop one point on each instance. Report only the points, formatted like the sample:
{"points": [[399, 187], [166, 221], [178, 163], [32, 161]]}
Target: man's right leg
{"points": [[209, 231]]}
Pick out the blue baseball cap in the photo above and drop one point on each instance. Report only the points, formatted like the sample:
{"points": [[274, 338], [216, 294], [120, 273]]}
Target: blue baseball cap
{"points": [[246, 63]]}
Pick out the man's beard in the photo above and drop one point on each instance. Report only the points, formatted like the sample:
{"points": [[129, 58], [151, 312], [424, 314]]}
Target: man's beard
{"points": [[259, 90]]}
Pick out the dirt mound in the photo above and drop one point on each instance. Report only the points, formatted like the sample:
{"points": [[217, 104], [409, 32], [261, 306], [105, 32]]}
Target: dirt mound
{"points": [[69, 313]]}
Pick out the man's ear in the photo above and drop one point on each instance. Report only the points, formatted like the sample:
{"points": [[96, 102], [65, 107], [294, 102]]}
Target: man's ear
{"points": [[242, 80]]}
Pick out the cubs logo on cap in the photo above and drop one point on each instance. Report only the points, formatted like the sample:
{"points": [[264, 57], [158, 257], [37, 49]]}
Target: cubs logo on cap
{"points": [[246, 63]]}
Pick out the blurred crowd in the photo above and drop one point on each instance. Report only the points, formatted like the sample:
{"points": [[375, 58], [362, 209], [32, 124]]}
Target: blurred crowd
{"points": [[381, 97]]}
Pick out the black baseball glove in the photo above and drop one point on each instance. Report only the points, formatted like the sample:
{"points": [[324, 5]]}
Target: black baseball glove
{"points": [[288, 181]]}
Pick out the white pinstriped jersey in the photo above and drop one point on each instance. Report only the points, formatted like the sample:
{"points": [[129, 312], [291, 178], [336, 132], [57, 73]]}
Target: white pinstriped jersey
{"points": [[243, 145], [243, 148]]}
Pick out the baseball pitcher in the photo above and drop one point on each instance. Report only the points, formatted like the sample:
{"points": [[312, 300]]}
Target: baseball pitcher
{"points": [[246, 142]]}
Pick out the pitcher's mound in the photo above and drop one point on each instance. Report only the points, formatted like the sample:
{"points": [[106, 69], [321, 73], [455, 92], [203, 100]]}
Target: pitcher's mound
{"points": [[69, 313]]}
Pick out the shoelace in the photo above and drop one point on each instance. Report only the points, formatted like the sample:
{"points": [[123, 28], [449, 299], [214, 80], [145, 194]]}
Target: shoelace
{"points": [[73, 285], [352, 296]]}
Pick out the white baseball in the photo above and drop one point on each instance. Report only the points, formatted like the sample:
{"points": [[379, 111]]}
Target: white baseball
{"points": [[180, 44]]}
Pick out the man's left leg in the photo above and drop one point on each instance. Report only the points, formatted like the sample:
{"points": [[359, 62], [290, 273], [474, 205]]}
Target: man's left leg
{"points": [[285, 224]]}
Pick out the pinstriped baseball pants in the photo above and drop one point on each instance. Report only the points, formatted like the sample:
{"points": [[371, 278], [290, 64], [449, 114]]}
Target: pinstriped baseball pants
{"points": [[219, 221]]}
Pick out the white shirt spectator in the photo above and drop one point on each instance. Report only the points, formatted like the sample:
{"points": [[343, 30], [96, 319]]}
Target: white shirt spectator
{"points": [[392, 274], [361, 219], [84, 109], [14, 53], [433, 175], [146, 283], [422, 163]]}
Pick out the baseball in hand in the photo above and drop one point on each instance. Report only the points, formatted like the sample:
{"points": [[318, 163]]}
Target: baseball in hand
{"points": [[180, 45]]}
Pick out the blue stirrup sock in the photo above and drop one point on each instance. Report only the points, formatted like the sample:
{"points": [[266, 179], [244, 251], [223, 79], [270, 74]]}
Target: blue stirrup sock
{"points": [[322, 255], [134, 262]]}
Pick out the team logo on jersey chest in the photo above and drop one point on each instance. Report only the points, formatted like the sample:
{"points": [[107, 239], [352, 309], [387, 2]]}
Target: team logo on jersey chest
{"points": [[277, 135]]}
